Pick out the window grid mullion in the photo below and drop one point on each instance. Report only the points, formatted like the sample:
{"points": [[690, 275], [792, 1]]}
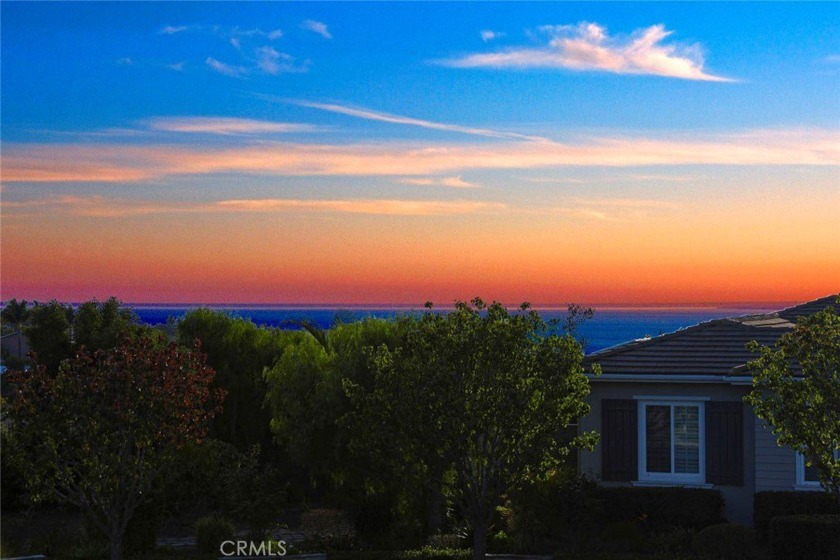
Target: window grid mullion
{"points": [[673, 440]]}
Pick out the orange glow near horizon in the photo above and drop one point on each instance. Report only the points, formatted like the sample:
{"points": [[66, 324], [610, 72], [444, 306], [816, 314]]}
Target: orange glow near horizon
{"points": [[700, 254]]}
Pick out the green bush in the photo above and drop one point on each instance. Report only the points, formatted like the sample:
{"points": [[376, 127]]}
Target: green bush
{"points": [[426, 553], [211, 532], [564, 507], [501, 543], [673, 541], [814, 537], [446, 540], [767, 505], [142, 530], [57, 543], [625, 536], [660, 509], [327, 530], [725, 541]]}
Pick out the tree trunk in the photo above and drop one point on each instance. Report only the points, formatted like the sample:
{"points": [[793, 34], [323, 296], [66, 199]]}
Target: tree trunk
{"points": [[479, 538], [116, 539]]}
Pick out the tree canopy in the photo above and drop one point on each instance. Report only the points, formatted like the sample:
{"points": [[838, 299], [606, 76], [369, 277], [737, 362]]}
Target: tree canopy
{"points": [[479, 399], [796, 391], [239, 351], [98, 432]]}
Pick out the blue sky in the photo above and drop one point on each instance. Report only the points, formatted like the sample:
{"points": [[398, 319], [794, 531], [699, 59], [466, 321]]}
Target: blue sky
{"points": [[66, 66], [631, 129]]}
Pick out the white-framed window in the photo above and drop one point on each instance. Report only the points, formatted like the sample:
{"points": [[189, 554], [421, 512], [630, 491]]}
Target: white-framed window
{"points": [[672, 441], [808, 476]]}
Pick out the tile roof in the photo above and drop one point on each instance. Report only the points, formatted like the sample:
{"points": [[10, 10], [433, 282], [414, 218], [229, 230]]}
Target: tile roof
{"points": [[715, 347]]}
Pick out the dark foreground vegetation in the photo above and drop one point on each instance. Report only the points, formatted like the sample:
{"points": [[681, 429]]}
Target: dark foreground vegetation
{"points": [[441, 436]]}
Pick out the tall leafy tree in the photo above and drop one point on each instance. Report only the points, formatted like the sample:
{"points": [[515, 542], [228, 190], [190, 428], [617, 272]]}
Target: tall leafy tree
{"points": [[98, 433], [306, 396], [478, 400], [239, 351], [49, 333], [796, 391], [102, 325], [15, 315], [56, 331]]}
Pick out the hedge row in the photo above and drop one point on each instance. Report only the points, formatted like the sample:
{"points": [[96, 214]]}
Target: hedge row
{"points": [[659, 509], [815, 537], [421, 554], [767, 505]]}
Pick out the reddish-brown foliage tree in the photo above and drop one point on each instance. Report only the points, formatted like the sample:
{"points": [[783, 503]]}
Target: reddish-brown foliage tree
{"points": [[97, 434]]}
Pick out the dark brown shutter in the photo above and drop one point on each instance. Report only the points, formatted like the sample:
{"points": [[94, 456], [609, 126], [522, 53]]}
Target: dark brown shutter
{"points": [[619, 440], [725, 443]]}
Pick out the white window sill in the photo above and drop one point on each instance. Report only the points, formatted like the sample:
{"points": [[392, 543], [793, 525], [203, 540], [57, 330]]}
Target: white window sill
{"points": [[672, 483], [808, 488]]}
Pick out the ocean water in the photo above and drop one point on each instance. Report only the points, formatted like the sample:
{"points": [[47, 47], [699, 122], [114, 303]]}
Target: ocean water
{"points": [[610, 325]]}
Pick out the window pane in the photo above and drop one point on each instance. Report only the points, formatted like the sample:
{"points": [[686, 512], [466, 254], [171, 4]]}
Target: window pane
{"points": [[686, 439], [658, 444], [812, 474]]}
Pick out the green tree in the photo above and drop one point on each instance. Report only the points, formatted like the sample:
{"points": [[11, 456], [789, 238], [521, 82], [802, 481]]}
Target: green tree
{"points": [[98, 433], [306, 396], [15, 315], [102, 325], [56, 331], [239, 351], [796, 392], [49, 333], [478, 400]]}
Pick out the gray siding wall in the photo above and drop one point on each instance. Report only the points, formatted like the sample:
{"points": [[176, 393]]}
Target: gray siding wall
{"points": [[739, 499], [775, 465]]}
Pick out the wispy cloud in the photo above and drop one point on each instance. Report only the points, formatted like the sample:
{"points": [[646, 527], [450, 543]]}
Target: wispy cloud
{"points": [[103, 207], [125, 61], [316, 27], [172, 29], [488, 35], [626, 203], [587, 47], [366, 206], [399, 119], [226, 69], [127, 162], [455, 182], [272, 62], [225, 125], [178, 66], [832, 59]]}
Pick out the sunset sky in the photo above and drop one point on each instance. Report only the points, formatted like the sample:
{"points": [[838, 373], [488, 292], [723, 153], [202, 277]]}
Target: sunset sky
{"points": [[397, 152]]}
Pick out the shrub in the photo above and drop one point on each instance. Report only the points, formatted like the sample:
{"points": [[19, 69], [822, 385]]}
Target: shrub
{"points": [[211, 532], [501, 543], [327, 530], [674, 541], [625, 536], [815, 537], [725, 541], [767, 505], [446, 540], [142, 530], [563, 507], [426, 553], [659, 509], [58, 542]]}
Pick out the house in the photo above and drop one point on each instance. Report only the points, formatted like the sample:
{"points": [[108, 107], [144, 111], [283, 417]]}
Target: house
{"points": [[14, 345], [670, 412]]}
